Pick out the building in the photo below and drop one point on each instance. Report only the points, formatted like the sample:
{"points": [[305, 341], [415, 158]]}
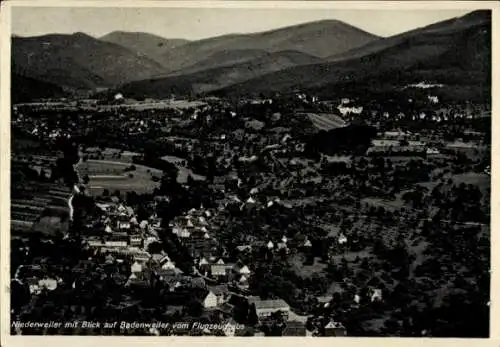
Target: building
{"points": [[293, 328], [111, 243], [244, 270], [118, 236], [210, 300], [335, 329], [136, 267], [198, 242], [142, 256], [135, 241], [139, 279], [265, 308], [221, 292], [219, 269], [376, 295], [123, 222]]}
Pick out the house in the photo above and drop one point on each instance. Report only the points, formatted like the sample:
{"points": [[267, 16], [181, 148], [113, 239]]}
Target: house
{"points": [[103, 207], [136, 267], [219, 269], [243, 282], [95, 243], [265, 308], [251, 200], [210, 300], [33, 285], [123, 222], [283, 246], [169, 271], [221, 292], [376, 295], [432, 151], [203, 263], [142, 256], [342, 239], [109, 259], [111, 243], [229, 327], [335, 329], [139, 279], [135, 241], [173, 284], [244, 270], [293, 328], [158, 258], [324, 301], [168, 265], [198, 242], [244, 248]]}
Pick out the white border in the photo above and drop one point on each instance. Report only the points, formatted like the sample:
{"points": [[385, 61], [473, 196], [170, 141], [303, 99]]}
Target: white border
{"points": [[5, 34]]}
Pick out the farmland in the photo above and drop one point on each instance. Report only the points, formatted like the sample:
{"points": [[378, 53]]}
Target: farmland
{"points": [[40, 208], [325, 121], [107, 153], [113, 175], [184, 172]]}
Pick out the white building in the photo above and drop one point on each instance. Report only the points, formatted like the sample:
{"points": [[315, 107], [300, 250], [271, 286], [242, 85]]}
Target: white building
{"points": [[210, 300]]}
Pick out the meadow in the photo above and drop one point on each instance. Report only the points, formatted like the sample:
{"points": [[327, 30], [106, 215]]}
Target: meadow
{"points": [[113, 175]]}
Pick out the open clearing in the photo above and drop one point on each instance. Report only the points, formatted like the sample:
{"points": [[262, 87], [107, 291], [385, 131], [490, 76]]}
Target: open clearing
{"points": [[325, 121], [112, 154], [305, 271], [481, 180], [111, 175], [184, 172], [40, 207]]}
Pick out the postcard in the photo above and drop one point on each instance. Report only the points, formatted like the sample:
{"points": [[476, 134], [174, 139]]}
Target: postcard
{"points": [[188, 171]]}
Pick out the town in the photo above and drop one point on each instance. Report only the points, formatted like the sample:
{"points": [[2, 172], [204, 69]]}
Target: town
{"points": [[284, 215]]}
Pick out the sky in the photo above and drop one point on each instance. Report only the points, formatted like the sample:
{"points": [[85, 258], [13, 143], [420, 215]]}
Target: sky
{"points": [[199, 23]]}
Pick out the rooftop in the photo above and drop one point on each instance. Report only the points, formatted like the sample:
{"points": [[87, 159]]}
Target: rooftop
{"points": [[269, 304]]}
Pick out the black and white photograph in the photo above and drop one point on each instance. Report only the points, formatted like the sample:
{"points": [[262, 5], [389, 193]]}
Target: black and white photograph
{"points": [[250, 171]]}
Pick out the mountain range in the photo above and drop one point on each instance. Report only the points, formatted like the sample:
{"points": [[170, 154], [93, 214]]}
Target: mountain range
{"points": [[79, 61], [148, 45], [318, 56]]}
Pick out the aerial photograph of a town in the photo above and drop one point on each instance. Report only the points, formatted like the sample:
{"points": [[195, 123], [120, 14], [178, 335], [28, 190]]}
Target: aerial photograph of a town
{"points": [[250, 172]]}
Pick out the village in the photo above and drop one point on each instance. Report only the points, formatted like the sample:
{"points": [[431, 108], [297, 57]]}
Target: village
{"points": [[237, 215]]}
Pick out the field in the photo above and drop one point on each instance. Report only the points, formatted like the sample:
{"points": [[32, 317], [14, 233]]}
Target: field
{"points": [[111, 175], [40, 207], [184, 172], [481, 180], [112, 154], [326, 121], [304, 271]]}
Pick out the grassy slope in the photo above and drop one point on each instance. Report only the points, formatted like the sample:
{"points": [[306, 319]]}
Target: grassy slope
{"points": [[79, 61], [458, 55]]}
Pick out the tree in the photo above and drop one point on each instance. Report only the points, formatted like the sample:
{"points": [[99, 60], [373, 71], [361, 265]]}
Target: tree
{"points": [[86, 179], [253, 319], [155, 247], [194, 308], [241, 311], [190, 180]]}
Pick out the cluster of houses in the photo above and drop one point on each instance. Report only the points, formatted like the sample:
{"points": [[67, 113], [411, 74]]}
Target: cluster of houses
{"points": [[37, 278], [228, 281]]}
